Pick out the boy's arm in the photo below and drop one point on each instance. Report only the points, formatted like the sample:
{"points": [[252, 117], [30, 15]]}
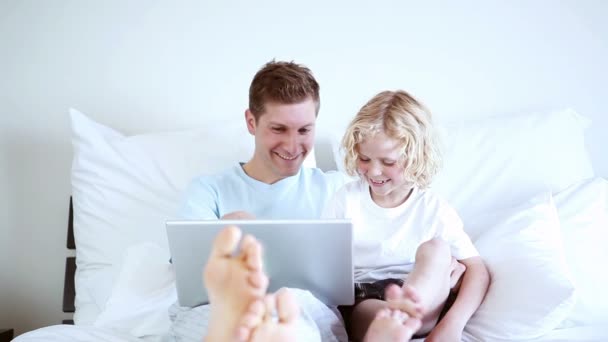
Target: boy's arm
{"points": [[475, 283]]}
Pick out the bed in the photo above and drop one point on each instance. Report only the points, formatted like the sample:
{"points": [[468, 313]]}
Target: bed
{"points": [[523, 184]]}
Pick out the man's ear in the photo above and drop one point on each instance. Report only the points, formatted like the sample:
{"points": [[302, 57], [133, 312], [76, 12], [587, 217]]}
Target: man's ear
{"points": [[250, 119]]}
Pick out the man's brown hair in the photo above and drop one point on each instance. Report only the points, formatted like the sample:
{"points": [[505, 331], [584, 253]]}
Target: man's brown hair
{"points": [[282, 82]]}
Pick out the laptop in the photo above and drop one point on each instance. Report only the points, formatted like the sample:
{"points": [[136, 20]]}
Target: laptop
{"points": [[314, 255]]}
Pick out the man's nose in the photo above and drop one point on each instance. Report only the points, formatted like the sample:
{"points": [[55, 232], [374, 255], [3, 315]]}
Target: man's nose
{"points": [[291, 144]]}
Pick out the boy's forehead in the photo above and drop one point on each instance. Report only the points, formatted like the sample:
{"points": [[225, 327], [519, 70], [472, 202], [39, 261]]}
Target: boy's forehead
{"points": [[379, 144]]}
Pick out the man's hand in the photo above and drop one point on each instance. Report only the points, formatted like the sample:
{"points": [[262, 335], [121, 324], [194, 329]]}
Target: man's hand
{"points": [[238, 215]]}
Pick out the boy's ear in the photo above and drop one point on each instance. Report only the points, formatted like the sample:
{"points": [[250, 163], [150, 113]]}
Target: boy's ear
{"points": [[250, 119]]}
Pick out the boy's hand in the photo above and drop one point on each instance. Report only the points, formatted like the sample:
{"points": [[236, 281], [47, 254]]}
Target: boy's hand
{"points": [[457, 269]]}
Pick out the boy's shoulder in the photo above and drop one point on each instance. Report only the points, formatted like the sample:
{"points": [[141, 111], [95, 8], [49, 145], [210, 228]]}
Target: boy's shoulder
{"points": [[435, 201], [352, 187], [332, 179]]}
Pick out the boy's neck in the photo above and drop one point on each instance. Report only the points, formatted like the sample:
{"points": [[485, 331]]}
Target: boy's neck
{"points": [[389, 202]]}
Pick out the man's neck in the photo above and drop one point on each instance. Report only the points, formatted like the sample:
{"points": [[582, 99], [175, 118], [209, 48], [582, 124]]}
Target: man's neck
{"points": [[254, 170]]}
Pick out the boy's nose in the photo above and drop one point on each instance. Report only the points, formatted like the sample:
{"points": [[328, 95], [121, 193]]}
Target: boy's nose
{"points": [[374, 171]]}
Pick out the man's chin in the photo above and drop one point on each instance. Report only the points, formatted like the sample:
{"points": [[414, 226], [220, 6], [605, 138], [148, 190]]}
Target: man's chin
{"points": [[290, 171]]}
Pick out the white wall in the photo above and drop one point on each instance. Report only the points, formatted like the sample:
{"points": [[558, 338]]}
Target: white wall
{"points": [[154, 65]]}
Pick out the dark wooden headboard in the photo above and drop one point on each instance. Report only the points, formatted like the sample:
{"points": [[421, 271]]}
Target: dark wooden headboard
{"points": [[69, 291]]}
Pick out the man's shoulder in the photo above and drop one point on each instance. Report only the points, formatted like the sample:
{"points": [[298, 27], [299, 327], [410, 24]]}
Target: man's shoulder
{"points": [[226, 176]]}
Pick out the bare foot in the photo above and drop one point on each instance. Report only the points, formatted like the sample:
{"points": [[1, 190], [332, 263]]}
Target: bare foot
{"points": [[233, 281], [405, 299], [392, 326], [271, 319]]}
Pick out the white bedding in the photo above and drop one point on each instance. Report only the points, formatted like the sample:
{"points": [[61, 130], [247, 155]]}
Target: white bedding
{"points": [[123, 308], [63, 333], [80, 333]]}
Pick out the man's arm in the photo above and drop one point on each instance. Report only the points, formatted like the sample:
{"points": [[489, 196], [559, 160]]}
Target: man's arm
{"points": [[475, 283], [199, 202]]}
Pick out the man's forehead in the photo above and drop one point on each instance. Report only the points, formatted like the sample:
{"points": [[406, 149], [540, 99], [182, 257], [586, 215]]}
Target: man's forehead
{"points": [[291, 123], [290, 115]]}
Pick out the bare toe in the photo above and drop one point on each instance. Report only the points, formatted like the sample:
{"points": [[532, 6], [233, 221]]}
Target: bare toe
{"points": [[258, 280], [392, 325], [226, 242], [412, 325], [250, 320], [410, 292], [287, 307], [393, 292], [252, 253], [405, 299]]}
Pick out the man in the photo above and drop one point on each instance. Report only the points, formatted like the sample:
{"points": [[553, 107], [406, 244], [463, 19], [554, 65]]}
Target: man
{"points": [[284, 103], [283, 106]]}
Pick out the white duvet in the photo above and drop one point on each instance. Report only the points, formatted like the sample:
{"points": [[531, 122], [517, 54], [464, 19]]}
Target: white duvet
{"points": [[58, 333], [137, 308], [486, 169]]}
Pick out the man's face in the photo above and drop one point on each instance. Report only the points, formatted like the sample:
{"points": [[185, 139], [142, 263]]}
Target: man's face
{"points": [[284, 135]]}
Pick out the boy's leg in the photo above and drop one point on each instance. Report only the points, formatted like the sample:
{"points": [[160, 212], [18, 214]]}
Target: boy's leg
{"points": [[431, 280], [362, 316]]}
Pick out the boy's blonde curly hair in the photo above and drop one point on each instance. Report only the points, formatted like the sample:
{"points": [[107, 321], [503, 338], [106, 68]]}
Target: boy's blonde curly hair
{"points": [[401, 117]]}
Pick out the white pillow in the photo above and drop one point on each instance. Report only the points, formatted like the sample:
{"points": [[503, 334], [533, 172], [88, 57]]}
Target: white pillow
{"points": [[142, 294], [125, 188], [497, 162], [530, 292], [583, 213]]}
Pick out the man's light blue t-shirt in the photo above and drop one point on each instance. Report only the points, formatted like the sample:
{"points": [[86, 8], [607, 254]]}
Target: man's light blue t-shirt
{"points": [[302, 196]]}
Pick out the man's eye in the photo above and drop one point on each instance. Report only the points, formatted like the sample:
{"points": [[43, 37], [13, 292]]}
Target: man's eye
{"points": [[278, 129], [304, 131]]}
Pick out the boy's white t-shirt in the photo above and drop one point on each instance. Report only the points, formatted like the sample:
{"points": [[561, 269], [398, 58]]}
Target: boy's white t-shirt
{"points": [[386, 239]]}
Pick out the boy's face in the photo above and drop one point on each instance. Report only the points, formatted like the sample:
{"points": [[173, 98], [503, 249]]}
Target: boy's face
{"points": [[379, 163], [284, 135]]}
